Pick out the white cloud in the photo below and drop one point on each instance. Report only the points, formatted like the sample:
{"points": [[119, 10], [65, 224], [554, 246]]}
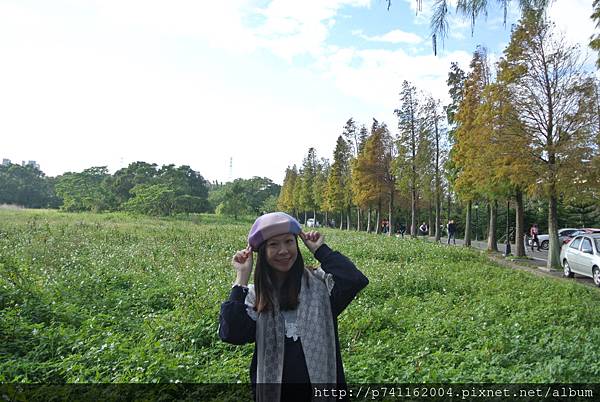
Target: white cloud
{"points": [[378, 76], [566, 12], [394, 36], [292, 28], [113, 81]]}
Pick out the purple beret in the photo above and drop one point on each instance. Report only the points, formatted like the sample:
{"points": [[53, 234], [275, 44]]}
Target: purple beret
{"points": [[269, 225]]}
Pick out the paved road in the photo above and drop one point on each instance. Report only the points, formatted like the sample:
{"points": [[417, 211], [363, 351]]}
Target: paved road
{"points": [[538, 258]]}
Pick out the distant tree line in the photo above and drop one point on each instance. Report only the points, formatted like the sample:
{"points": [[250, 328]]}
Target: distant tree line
{"points": [[526, 136], [140, 187], [27, 186]]}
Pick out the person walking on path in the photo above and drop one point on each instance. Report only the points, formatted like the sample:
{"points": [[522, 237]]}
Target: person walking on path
{"points": [[451, 231], [533, 233], [424, 229], [291, 311]]}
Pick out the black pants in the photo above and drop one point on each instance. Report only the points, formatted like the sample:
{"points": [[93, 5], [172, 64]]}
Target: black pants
{"points": [[535, 240]]}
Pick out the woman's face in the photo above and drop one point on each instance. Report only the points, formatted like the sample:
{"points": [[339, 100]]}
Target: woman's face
{"points": [[281, 252]]}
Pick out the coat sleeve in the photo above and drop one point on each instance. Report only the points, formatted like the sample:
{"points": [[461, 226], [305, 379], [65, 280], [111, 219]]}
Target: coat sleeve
{"points": [[235, 324], [347, 278]]}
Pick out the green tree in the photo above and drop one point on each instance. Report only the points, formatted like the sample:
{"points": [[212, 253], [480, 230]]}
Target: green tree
{"points": [[595, 40], [127, 178], [190, 188], [352, 136], [269, 204], [434, 120], [503, 157], [320, 185], [408, 141], [85, 191], [286, 200], [456, 85], [368, 174], [235, 202], [338, 194], [27, 186], [151, 199], [307, 180], [551, 93], [466, 157]]}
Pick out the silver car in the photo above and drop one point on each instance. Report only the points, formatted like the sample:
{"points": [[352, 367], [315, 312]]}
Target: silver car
{"points": [[582, 256], [544, 239]]}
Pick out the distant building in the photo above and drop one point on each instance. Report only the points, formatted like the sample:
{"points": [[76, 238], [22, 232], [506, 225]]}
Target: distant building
{"points": [[33, 164]]}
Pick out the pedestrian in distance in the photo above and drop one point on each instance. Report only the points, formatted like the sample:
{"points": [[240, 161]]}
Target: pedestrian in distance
{"points": [[402, 229], [290, 312], [533, 233], [451, 231], [424, 229], [385, 226]]}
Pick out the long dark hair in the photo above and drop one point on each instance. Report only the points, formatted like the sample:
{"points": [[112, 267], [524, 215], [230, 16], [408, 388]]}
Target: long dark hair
{"points": [[264, 282]]}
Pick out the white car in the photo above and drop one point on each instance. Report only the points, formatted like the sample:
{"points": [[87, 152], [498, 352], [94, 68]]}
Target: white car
{"points": [[312, 223], [582, 256], [545, 239]]}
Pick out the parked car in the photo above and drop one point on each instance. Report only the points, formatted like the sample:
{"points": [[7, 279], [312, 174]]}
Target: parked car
{"points": [[312, 223], [582, 256], [545, 238], [570, 237]]}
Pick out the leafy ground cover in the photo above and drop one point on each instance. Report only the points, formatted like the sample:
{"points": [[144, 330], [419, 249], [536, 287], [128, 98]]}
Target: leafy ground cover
{"points": [[114, 298]]}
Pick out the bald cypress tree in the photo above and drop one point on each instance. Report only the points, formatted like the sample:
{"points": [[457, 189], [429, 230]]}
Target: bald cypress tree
{"points": [[408, 142], [338, 183], [465, 149], [551, 93]]}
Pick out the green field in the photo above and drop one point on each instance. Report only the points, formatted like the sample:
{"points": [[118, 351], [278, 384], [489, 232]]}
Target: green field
{"points": [[113, 298]]}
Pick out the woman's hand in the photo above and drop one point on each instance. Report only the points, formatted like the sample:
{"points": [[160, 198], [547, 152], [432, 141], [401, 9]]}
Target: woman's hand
{"points": [[312, 240], [242, 263]]}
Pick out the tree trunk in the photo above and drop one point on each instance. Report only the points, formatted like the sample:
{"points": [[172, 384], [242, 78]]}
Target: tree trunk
{"points": [[305, 215], [390, 209], [520, 230], [554, 250], [358, 225], [326, 223], [449, 206], [348, 216], [492, 244], [369, 220], [438, 221], [429, 220], [468, 226], [377, 220], [379, 215], [413, 213], [507, 243]]}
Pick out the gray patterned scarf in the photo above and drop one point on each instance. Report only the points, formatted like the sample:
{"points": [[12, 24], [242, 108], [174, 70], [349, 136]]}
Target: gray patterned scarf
{"points": [[315, 327]]}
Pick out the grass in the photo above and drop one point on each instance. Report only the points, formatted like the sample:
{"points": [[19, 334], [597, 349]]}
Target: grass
{"points": [[112, 298]]}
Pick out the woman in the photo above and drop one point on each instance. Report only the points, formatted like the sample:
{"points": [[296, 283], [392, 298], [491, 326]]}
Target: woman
{"points": [[291, 311]]}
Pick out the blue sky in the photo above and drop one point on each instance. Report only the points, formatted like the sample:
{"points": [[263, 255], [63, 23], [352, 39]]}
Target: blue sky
{"points": [[108, 82]]}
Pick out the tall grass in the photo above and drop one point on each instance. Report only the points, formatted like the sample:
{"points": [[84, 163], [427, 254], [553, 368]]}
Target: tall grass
{"points": [[116, 298]]}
